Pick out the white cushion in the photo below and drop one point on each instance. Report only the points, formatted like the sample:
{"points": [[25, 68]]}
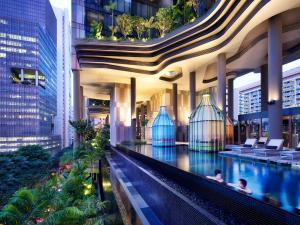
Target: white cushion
{"points": [[250, 141], [276, 142], [263, 139]]}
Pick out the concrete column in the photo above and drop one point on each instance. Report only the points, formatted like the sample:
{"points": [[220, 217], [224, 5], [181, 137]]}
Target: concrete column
{"points": [[221, 71], [76, 103], [81, 103], [192, 91], [230, 99], [132, 107], [264, 87], [275, 77]]}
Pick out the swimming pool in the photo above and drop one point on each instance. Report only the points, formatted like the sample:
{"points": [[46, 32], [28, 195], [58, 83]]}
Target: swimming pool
{"points": [[279, 183]]}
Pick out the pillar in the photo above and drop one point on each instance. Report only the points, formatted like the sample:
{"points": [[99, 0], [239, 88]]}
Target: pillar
{"points": [[221, 71], [221, 74], [230, 98], [264, 87], [175, 108], [275, 77], [132, 107], [81, 103], [192, 91], [76, 103]]}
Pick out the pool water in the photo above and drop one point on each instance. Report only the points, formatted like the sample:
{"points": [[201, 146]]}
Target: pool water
{"points": [[280, 183]]}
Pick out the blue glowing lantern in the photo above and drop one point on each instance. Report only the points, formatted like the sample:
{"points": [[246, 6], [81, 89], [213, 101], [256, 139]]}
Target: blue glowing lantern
{"points": [[206, 127], [163, 129]]}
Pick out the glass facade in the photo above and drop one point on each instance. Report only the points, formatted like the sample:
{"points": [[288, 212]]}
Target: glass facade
{"points": [[206, 130], [163, 129], [27, 74], [250, 99]]}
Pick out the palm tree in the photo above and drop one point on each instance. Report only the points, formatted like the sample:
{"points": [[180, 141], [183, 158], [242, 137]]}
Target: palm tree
{"points": [[111, 8]]}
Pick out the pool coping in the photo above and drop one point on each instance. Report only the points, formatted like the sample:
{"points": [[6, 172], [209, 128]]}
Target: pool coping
{"points": [[213, 219], [237, 202]]}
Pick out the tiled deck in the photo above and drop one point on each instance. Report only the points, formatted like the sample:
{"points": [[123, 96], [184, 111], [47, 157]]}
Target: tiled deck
{"points": [[269, 159]]}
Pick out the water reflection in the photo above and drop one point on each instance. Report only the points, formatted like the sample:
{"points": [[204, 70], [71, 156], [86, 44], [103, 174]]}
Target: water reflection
{"points": [[278, 185]]}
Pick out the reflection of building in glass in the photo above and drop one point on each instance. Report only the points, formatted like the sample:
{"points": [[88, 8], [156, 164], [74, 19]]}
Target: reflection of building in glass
{"points": [[27, 74], [206, 127], [163, 129], [249, 99]]}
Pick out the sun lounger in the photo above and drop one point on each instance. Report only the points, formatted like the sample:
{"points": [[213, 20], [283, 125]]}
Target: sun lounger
{"points": [[261, 143], [291, 154], [245, 148], [249, 143], [272, 149]]}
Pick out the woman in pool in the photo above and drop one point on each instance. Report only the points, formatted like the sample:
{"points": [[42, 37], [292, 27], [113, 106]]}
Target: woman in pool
{"points": [[217, 177]]}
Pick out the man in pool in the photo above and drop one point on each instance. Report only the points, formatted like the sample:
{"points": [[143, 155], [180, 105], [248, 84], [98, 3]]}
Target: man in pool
{"points": [[217, 177], [242, 186]]}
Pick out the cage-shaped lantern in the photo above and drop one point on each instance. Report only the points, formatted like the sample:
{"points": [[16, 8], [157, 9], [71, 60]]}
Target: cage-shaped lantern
{"points": [[206, 127], [163, 129]]}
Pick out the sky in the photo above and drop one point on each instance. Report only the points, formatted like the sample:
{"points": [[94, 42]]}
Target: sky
{"points": [[255, 77], [61, 4]]}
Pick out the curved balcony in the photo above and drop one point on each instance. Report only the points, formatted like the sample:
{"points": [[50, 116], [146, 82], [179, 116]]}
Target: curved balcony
{"points": [[237, 28]]}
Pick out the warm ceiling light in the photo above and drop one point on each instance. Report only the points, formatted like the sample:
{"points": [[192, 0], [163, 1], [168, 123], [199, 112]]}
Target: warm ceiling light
{"points": [[170, 73]]}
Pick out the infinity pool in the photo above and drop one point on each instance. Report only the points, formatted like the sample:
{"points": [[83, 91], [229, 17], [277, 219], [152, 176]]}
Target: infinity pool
{"points": [[281, 184]]}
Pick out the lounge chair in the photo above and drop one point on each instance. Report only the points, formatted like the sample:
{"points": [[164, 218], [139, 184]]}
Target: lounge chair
{"points": [[249, 143], [272, 149], [294, 154], [245, 148], [261, 143]]}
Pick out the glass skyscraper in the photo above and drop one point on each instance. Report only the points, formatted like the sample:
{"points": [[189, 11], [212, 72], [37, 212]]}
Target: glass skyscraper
{"points": [[27, 74]]}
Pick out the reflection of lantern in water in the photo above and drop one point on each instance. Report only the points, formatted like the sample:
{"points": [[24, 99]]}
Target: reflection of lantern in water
{"points": [[163, 129], [165, 154], [206, 127]]}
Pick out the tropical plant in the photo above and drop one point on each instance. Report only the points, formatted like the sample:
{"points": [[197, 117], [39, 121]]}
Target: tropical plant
{"points": [[84, 129], [111, 8], [139, 26], [125, 24], [163, 21], [113, 30], [96, 29], [149, 24], [23, 168]]}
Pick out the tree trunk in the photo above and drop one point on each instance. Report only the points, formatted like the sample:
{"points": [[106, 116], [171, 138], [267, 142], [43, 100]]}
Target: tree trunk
{"points": [[100, 181]]}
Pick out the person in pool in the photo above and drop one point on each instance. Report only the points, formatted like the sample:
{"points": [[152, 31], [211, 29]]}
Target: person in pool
{"points": [[242, 186], [217, 177]]}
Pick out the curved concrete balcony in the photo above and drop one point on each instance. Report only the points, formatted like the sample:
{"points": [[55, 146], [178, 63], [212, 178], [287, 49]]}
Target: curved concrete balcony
{"points": [[237, 28]]}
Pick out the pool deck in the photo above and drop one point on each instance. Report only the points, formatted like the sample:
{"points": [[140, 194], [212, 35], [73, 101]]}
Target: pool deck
{"points": [[269, 159]]}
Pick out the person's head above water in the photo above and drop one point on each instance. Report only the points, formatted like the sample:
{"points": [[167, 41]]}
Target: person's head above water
{"points": [[242, 183], [218, 174]]}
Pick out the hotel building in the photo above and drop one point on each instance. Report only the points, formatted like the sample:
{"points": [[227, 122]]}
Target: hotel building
{"points": [[27, 74]]}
